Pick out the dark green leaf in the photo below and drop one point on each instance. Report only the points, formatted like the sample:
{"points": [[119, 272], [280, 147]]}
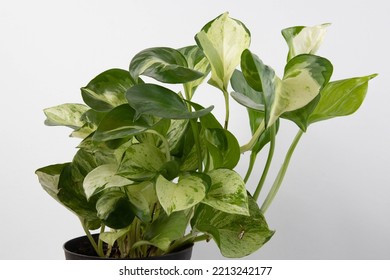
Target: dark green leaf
{"points": [[163, 64], [107, 90], [115, 209], [120, 123], [223, 148], [166, 229], [161, 102]]}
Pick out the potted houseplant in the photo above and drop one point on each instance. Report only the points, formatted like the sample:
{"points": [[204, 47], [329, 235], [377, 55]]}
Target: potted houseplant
{"points": [[155, 171]]}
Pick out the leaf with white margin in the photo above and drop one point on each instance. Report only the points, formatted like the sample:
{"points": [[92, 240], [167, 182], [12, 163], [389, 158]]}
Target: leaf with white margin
{"points": [[227, 192], [189, 191], [222, 41], [101, 178], [304, 39]]}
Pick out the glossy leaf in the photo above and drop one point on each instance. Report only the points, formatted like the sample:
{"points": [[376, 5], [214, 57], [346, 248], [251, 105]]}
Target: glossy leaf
{"points": [[227, 192], [103, 177], [141, 162], [142, 197], [197, 61], [304, 77], [236, 235], [163, 231], [163, 64], [120, 123], [68, 114], [304, 39], [114, 209], [161, 102], [341, 98], [222, 41], [49, 177], [189, 191], [254, 102], [223, 148], [107, 90]]}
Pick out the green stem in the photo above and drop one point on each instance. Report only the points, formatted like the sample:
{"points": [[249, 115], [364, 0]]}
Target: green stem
{"points": [[267, 164], [254, 138], [252, 161], [282, 172], [227, 113], [91, 240], [195, 131], [100, 242]]}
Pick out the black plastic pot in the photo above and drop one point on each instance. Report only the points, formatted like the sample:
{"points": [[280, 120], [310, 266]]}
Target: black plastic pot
{"points": [[81, 249]]}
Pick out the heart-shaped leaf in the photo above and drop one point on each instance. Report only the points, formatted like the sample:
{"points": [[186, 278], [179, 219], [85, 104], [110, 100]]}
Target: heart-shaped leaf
{"points": [[103, 177], [115, 210], [227, 192], [236, 235], [163, 64], [107, 90], [141, 162], [189, 191], [161, 102], [222, 41]]}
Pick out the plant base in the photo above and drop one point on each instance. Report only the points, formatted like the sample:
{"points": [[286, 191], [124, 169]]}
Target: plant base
{"points": [[80, 249]]}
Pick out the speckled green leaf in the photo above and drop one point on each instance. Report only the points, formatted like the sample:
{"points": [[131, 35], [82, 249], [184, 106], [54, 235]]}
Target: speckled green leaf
{"points": [[68, 114], [189, 191], [236, 235], [141, 162], [227, 192], [103, 177]]}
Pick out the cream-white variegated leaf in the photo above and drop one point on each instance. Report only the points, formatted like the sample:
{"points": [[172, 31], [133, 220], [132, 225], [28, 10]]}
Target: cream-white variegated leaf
{"points": [[227, 192], [223, 40], [304, 39], [103, 177], [304, 77], [188, 192], [68, 114]]}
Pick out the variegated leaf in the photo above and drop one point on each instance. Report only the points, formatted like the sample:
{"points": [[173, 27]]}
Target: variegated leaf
{"points": [[222, 41], [304, 39], [188, 192], [68, 114], [103, 177], [163, 64], [227, 192]]}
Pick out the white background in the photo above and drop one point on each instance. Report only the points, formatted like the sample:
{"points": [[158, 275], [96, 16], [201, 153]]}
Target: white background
{"points": [[335, 201]]}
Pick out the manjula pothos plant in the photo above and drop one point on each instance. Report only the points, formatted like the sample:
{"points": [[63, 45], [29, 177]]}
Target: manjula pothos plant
{"points": [[155, 171]]}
